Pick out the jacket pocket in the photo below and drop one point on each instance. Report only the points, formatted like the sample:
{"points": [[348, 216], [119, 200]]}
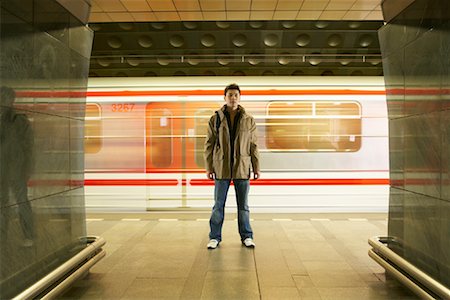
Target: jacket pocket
{"points": [[218, 166], [243, 169]]}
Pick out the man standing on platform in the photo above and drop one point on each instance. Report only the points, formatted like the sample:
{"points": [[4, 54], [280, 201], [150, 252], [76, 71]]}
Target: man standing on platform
{"points": [[230, 152]]}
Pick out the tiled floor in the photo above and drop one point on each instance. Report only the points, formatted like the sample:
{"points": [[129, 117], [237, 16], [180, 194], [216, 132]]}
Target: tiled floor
{"points": [[297, 256]]}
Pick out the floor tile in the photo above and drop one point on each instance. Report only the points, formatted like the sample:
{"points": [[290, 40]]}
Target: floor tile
{"points": [[298, 259], [230, 285], [277, 293], [155, 288]]}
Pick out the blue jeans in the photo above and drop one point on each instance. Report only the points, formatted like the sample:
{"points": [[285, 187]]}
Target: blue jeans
{"points": [[221, 186]]}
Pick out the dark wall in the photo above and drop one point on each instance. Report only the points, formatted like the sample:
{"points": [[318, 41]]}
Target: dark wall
{"points": [[44, 60], [415, 46]]}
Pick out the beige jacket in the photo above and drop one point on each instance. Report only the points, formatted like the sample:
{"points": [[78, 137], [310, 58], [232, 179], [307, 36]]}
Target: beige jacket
{"points": [[217, 155]]}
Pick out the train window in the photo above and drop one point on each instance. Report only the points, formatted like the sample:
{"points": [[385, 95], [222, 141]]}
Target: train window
{"points": [[201, 129], [313, 126], [290, 108], [175, 134], [337, 109], [160, 121], [92, 129]]}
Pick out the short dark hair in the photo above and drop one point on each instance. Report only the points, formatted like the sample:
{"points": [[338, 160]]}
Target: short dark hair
{"points": [[232, 86]]}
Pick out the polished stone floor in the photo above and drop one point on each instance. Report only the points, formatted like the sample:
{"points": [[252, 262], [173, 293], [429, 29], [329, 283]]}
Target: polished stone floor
{"points": [[297, 256]]}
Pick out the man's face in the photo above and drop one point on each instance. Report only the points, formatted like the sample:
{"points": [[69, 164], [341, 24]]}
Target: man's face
{"points": [[232, 98]]}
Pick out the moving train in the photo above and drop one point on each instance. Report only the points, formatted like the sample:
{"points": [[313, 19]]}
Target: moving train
{"points": [[323, 143]]}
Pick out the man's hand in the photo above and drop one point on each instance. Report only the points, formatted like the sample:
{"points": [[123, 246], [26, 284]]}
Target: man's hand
{"points": [[256, 175], [210, 175]]}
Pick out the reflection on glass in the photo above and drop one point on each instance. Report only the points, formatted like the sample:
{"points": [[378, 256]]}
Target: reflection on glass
{"points": [[175, 134], [337, 109], [93, 129], [313, 126], [161, 137], [201, 127], [16, 141]]}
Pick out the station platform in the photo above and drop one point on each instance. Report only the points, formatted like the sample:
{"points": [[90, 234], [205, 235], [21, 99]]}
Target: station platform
{"points": [[297, 256]]}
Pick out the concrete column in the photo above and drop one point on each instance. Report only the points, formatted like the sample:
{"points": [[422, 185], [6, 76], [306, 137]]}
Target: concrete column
{"points": [[415, 45], [44, 63]]}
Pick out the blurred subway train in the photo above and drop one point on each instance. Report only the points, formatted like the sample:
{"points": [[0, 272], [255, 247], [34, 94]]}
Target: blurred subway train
{"points": [[323, 143]]}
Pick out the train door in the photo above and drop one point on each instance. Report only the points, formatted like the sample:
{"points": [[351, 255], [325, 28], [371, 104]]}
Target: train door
{"points": [[198, 189], [175, 133], [163, 131], [114, 159]]}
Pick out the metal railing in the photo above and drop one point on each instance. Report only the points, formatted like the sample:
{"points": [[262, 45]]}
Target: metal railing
{"points": [[418, 281], [62, 277]]}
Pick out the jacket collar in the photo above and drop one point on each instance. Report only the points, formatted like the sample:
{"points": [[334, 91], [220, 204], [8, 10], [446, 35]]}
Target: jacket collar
{"points": [[240, 108]]}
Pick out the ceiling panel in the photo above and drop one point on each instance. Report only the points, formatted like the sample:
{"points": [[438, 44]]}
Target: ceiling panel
{"points": [[216, 5], [289, 4], [374, 15], [314, 4], [365, 4], [238, 15], [340, 4], [309, 14], [144, 17], [208, 10], [264, 5], [190, 15], [161, 5], [110, 5], [237, 5], [261, 15], [136, 5], [214, 15], [167, 16], [187, 5], [356, 15], [99, 17], [332, 15], [285, 15], [120, 16]]}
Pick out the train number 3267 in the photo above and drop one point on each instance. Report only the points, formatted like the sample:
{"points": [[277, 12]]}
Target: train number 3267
{"points": [[122, 107]]}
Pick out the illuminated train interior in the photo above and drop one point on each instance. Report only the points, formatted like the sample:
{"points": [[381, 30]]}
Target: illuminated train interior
{"points": [[323, 143]]}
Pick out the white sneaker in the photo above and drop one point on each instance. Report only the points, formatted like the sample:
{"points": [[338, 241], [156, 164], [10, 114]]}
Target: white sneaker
{"points": [[213, 244], [248, 242]]}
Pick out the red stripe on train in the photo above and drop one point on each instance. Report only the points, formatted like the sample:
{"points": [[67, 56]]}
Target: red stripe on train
{"points": [[190, 171], [130, 182], [51, 94], [206, 182], [220, 92], [304, 181]]}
